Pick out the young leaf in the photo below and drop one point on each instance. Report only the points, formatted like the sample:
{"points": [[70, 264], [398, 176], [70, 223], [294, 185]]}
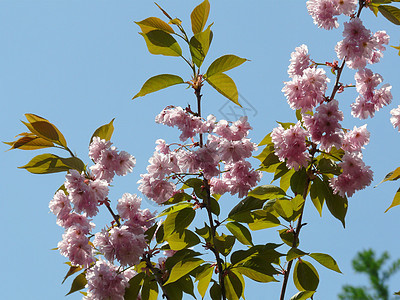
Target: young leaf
{"points": [[199, 16], [396, 200], [149, 289], [317, 195], [135, 283], [160, 42], [154, 23], [294, 253], [199, 45], [224, 243], [233, 286], [215, 291], [242, 234], [247, 204], [179, 220], [268, 191], [179, 241], [225, 86], [391, 176], [223, 64], [182, 268], [391, 13], [72, 270], [326, 260], [303, 295], [157, 83], [336, 204], [104, 132], [30, 143], [50, 163], [175, 208], [78, 283], [305, 277], [204, 279], [44, 129]]}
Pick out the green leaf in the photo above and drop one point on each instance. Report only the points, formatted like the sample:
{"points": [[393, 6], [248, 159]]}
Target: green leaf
{"points": [[328, 166], [242, 234], [225, 86], [182, 268], [50, 163], [305, 277], [233, 286], [78, 283], [104, 132], [224, 243], [30, 142], [215, 292], [326, 260], [298, 181], [186, 285], [177, 198], [284, 208], [223, 64], [157, 83], [391, 13], [179, 220], [317, 195], [204, 232], [396, 200], [214, 206], [288, 237], [303, 295], [160, 234], [397, 293], [149, 289], [336, 204], [199, 16], [72, 270], [179, 256], [175, 208], [160, 42], [294, 253], [199, 45], [132, 292], [149, 233], [204, 279], [185, 239], [391, 176], [266, 192], [44, 129], [263, 219], [247, 204], [154, 23]]}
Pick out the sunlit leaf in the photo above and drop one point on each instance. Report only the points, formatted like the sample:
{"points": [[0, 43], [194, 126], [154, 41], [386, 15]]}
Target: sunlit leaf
{"points": [[104, 132], [317, 195], [50, 163], [160, 42], [303, 295], [199, 45], [154, 23], [30, 143], [242, 234], [225, 86], [182, 268], [135, 283], [72, 270], [149, 289], [185, 239], [179, 220], [294, 253], [396, 200], [78, 283], [204, 279], [305, 276], [326, 260], [157, 83], [233, 286], [44, 129], [391, 176], [224, 243], [391, 13], [265, 192], [199, 16], [224, 63], [175, 208]]}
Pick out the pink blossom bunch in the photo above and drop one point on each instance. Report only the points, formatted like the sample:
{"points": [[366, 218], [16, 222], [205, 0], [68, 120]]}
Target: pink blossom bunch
{"points": [[290, 145], [370, 99], [355, 140], [395, 117], [306, 91], [108, 161], [226, 144], [299, 61], [106, 282], [324, 126], [359, 45], [355, 176], [323, 12]]}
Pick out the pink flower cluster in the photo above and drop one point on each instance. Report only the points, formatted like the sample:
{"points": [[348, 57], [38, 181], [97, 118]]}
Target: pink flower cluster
{"points": [[290, 145], [106, 281], [308, 85], [395, 118], [324, 11], [126, 244], [370, 99], [225, 144], [359, 45], [108, 161]]}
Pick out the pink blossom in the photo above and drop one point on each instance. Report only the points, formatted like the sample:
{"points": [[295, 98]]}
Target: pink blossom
{"points": [[98, 190], [124, 163], [354, 140], [162, 147], [240, 178], [232, 151], [306, 91], [290, 145], [238, 130], [97, 146], [207, 159], [105, 282], [395, 117], [218, 186], [323, 12], [128, 206], [76, 220], [157, 189], [60, 205], [299, 61]]}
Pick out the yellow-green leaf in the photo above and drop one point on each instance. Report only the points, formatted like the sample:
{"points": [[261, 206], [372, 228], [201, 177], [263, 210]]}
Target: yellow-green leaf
{"points": [[154, 23], [135, 283], [225, 86], [182, 268], [199, 45], [30, 143], [224, 63], [233, 286], [78, 283], [396, 200], [160, 42], [104, 132], [50, 163], [149, 289], [175, 21], [241, 233], [303, 295], [391, 13], [204, 279], [391, 176], [294, 253], [157, 83], [199, 16], [397, 48], [178, 241], [326, 260], [44, 129], [305, 277]]}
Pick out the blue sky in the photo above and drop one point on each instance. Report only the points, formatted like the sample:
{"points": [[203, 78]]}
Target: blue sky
{"points": [[78, 64]]}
